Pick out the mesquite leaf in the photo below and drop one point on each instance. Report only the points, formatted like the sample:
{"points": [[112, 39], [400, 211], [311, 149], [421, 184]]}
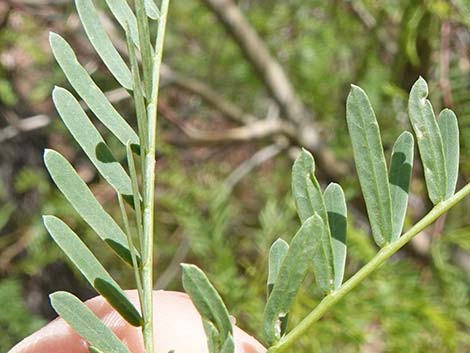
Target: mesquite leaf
{"points": [[89, 91], [305, 188], [81, 198], [90, 140], [370, 163], [335, 203], [449, 129], [207, 301], [91, 268], [429, 141], [303, 247], [138, 93], [401, 166], [125, 17], [145, 46], [151, 9], [228, 346], [102, 44], [277, 253], [85, 323]]}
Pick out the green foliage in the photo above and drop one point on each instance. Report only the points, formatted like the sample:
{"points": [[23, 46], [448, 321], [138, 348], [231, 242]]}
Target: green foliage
{"points": [[91, 268], [335, 203], [214, 314], [370, 163], [102, 44], [83, 201], [401, 167], [85, 323], [291, 274], [429, 141], [230, 238]]}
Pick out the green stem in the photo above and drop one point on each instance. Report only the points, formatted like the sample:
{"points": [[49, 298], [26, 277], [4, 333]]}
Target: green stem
{"points": [[149, 186], [386, 252], [135, 264]]}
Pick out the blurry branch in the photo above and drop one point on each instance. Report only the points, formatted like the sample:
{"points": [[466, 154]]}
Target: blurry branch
{"points": [[263, 155], [23, 125], [444, 80], [209, 95], [19, 125], [173, 269], [256, 130], [272, 74], [362, 13]]}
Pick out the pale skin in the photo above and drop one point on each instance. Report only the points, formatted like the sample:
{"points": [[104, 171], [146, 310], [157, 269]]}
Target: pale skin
{"points": [[178, 327]]}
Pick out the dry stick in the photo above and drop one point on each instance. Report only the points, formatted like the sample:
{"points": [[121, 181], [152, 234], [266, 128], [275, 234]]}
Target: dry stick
{"points": [[385, 253]]}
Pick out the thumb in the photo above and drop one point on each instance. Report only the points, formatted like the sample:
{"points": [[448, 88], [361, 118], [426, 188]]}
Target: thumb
{"points": [[178, 327]]}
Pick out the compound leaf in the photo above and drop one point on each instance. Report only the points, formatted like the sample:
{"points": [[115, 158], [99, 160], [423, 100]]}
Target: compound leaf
{"points": [[291, 274]]}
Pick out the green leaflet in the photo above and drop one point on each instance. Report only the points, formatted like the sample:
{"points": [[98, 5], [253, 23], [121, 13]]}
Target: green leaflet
{"points": [[90, 140], [126, 18], [145, 47], [85, 323], [303, 247], [102, 44], [91, 268], [135, 194], [212, 336], [429, 140], [370, 163], [335, 203], [277, 253], [89, 91], [92, 349], [305, 187], [322, 255], [449, 129], [228, 346], [81, 198], [401, 166], [207, 301], [138, 94], [151, 9]]}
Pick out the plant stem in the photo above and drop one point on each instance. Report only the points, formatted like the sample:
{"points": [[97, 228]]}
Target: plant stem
{"points": [[149, 186], [386, 252]]}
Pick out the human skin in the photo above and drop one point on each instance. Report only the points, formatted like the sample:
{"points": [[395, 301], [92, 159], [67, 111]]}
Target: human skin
{"points": [[178, 327]]}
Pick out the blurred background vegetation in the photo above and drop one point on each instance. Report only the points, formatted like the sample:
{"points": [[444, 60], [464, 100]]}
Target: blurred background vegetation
{"points": [[233, 115]]}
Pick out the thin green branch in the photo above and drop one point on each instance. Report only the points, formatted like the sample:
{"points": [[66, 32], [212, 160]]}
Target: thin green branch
{"points": [[135, 194], [385, 253], [149, 185], [135, 264]]}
